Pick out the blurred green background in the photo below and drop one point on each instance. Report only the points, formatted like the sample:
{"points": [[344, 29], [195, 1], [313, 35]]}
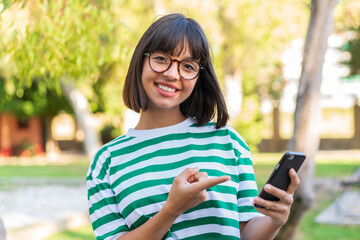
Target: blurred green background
{"points": [[51, 51]]}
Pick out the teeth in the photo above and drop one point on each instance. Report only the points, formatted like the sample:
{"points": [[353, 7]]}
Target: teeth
{"points": [[166, 88]]}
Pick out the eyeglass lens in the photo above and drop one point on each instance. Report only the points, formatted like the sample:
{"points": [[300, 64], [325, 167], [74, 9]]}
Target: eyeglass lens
{"points": [[160, 62]]}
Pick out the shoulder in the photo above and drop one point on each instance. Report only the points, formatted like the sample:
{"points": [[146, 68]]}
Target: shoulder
{"points": [[235, 136], [101, 160], [227, 130], [239, 144], [112, 146]]}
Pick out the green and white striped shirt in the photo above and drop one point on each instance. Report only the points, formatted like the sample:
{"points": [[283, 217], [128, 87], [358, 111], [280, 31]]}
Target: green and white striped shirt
{"points": [[129, 180]]}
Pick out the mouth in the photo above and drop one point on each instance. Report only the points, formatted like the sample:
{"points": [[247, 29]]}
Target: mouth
{"points": [[166, 88]]}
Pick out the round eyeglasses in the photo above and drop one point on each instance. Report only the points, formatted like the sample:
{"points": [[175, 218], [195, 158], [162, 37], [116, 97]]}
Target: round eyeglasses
{"points": [[160, 62]]}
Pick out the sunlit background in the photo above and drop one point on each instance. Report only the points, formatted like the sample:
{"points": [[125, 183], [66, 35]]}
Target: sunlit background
{"points": [[63, 64]]}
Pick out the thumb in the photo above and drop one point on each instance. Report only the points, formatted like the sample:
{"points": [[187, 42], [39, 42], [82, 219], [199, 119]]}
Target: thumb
{"points": [[188, 172]]}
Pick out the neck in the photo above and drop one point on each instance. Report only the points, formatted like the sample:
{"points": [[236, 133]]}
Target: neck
{"points": [[159, 119]]}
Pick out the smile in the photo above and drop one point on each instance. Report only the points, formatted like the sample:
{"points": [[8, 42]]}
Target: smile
{"points": [[168, 89]]}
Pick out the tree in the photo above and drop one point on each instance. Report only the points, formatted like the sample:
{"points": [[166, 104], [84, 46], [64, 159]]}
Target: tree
{"points": [[58, 41], [38, 100], [348, 21], [353, 48], [254, 36], [247, 39], [308, 112], [88, 43]]}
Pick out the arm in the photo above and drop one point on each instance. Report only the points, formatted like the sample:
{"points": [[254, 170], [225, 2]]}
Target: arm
{"points": [[276, 213], [155, 228], [187, 191], [250, 230]]}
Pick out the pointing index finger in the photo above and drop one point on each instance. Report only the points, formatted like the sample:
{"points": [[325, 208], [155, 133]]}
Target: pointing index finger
{"points": [[208, 183]]}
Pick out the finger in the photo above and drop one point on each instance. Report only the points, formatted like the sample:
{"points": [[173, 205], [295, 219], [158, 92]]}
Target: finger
{"points": [[269, 205], [187, 173], [295, 181], [268, 212], [281, 194], [277, 192], [191, 179], [212, 182], [264, 204], [201, 176]]}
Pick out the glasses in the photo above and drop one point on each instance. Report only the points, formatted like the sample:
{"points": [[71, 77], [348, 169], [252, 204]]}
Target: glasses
{"points": [[160, 62]]}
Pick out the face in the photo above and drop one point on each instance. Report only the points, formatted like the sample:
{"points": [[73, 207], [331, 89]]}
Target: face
{"points": [[167, 90]]}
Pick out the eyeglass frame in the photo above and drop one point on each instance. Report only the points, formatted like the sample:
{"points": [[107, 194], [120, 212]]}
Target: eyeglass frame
{"points": [[175, 60]]}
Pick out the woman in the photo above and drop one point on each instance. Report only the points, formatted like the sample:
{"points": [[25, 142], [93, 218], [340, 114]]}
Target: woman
{"points": [[177, 175]]}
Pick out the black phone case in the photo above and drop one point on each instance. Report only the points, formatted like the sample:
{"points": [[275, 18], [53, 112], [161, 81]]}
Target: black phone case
{"points": [[280, 176]]}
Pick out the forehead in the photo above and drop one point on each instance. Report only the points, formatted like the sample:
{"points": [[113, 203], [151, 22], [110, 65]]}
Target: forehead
{"points": [[176, 35], [182, 50], [176, 45]]}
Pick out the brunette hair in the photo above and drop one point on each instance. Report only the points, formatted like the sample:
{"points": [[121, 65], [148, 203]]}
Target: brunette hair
{"points": [[166, 34]]}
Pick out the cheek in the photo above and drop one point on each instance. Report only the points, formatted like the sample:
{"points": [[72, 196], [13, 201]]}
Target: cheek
{"points": [[147, 74], [189, 89], [192, 86]]}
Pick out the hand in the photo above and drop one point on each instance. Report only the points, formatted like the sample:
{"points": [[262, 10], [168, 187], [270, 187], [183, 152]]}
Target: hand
{"points": [[279, 211], [189, 189]]}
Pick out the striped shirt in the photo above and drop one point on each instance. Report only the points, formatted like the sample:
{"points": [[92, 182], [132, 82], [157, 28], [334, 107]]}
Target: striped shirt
{"points": [[129, 180]]}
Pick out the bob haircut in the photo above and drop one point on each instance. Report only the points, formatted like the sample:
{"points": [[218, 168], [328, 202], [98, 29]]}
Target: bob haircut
{"points": [[167, 34]]}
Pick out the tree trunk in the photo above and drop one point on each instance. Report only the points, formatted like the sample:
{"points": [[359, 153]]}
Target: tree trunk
{"points": [[308, 112], [356, 138], [83, 116], [275, 140]]}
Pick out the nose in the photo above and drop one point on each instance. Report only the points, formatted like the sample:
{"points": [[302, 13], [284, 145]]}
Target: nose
{"points": [[173, 72]]}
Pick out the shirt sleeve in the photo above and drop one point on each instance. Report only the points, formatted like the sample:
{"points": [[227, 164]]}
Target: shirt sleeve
{"points": [[105, 217], [247, 188]]}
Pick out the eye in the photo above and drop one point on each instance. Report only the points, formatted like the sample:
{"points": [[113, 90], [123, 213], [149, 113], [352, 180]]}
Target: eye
{"points": [[159, 58], [189, 66]]}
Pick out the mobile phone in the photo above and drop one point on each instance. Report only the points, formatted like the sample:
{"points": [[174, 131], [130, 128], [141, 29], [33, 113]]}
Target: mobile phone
{"points": [[280, 176]]}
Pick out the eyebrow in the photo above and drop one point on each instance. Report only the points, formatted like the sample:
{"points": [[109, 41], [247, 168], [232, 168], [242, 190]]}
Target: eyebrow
{"points": [[175, 56]]}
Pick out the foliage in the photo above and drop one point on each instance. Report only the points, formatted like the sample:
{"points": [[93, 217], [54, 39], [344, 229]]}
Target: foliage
{"points": [[248, 38], [353, 48], [347, 19], [45, 42], [347, 15], [109, 132], [132, 19], [255, 36], [37, 100], [88, 42], [251, 128], [91, 42], [62, 38]]}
